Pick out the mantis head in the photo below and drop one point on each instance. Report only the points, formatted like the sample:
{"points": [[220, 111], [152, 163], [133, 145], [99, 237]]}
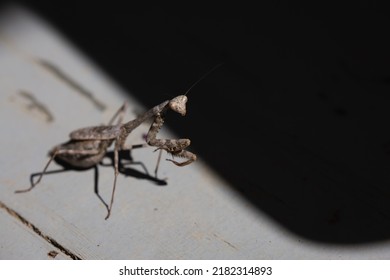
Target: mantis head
{"points": [[178, 104]]}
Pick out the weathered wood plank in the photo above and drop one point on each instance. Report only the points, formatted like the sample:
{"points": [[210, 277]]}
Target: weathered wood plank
{"points": [[19, 241], [49, 89]]}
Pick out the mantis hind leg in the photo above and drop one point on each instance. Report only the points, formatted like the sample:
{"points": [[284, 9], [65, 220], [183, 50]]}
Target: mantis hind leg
{"points": [[57, 151], [40, 176]]}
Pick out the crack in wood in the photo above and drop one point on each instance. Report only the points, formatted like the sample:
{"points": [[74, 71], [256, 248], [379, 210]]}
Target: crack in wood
{"points": [[53, 69], [35, 104], [52, 254], [60, 74], [49, 239]]}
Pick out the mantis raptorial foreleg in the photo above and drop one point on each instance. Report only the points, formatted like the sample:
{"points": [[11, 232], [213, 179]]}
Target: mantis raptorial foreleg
{"points": [[175, 147]]}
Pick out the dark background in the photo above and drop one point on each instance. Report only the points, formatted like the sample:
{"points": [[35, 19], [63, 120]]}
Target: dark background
{"points": [[296, 118]]}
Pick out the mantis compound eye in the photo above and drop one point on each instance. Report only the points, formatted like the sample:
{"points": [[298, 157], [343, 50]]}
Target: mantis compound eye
{"points": [[178, 104]]}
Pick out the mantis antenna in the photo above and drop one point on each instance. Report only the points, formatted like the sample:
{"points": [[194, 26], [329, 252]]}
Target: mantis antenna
{"points": [[204, 76]]}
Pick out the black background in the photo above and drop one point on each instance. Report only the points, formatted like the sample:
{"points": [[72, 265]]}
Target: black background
{"points": [[296, 118]]}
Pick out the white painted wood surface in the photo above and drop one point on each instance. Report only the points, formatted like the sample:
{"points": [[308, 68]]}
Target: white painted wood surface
{"points": [[195, 216], [19, 241]]}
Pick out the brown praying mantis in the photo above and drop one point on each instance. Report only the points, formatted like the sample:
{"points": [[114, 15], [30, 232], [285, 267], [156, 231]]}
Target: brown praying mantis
{"points": [[87, 146]]}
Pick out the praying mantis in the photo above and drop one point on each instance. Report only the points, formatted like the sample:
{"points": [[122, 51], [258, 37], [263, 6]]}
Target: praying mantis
{"points": [[87, 146]]}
